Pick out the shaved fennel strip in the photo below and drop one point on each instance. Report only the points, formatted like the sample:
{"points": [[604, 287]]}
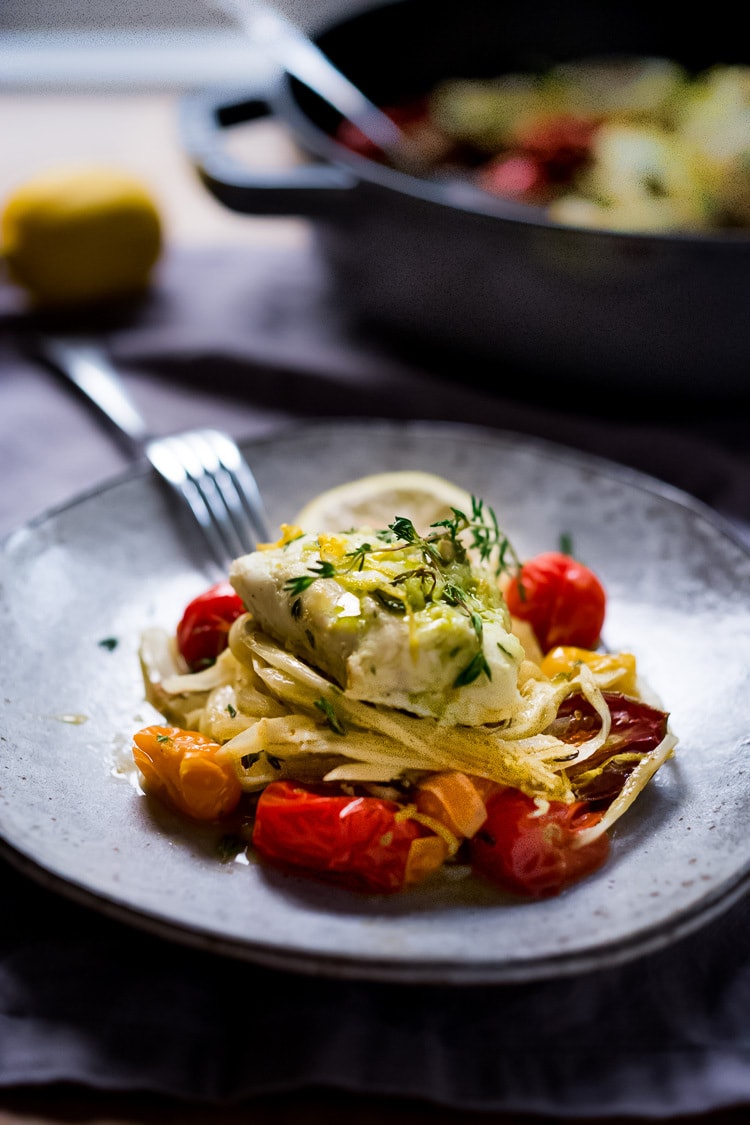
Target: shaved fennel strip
{"points": [[480, 751], [637, 780], [296, 741], [221, 672], [360, 771], [420, 734], [300, 734], [591, 692], [425, 738], [517, 754]]}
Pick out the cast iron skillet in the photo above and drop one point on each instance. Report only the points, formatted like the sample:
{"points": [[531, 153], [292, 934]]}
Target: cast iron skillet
{"points": [[481, 278]]}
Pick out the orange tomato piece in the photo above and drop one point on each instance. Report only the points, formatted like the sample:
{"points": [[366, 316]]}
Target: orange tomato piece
{"points": [[426, 855], [188, 771], [456, 800]]}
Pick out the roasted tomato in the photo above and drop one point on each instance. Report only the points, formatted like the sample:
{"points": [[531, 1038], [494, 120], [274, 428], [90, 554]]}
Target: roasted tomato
{"points": [[562, 600], [204, 629], [364, 843], [188, 771], [618, 668], [530, 847], [561, 144], [515, 175], [636, 730]]}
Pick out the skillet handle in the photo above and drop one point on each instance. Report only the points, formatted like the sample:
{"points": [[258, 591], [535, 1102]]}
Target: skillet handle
{"points": [[309, 190]]}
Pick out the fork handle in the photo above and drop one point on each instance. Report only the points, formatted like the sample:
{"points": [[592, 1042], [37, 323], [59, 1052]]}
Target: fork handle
{"points": [[86, 365]]}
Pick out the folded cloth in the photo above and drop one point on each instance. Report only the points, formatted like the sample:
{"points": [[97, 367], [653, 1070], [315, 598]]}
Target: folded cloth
{"points": [[249, 341], [86, 999]]}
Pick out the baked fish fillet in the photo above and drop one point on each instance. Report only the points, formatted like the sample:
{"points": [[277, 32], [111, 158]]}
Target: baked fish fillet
{"points": [[365, 610]]}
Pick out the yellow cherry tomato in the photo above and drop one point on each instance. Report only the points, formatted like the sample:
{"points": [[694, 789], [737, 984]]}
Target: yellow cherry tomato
{"points": [[188, 771], [615, 671]]}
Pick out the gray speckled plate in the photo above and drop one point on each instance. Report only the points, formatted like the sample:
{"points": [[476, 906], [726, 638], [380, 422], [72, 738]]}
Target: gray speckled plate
{"points": [[116, 560]]}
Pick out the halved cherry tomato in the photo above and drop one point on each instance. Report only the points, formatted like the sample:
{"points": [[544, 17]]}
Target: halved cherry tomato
{"points": [[364, 843], [188, 771], [203, 632], [530, 849], [562, 600]]}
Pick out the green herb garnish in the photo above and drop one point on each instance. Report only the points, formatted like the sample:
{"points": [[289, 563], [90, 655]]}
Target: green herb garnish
{"points": [[331, 717], [301, 583], [473, 670], [358, 556]]}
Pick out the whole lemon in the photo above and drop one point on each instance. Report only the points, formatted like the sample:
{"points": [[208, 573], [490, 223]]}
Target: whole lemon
{"points": [[81, 234]]}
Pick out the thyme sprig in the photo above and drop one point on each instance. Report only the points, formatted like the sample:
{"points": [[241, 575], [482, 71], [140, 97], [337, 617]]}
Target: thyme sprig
{"points": [[358, 556], [302, 582], [332, 719], [443, 545], [486, 536]]}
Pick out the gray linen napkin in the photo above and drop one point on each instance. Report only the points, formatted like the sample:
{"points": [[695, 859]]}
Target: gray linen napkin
{"points": [[247, 342]]}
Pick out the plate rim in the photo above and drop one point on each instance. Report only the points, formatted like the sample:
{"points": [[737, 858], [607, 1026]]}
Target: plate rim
{"points": [[375, 970]]}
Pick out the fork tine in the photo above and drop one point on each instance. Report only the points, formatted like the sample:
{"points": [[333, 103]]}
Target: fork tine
{"points": [[243, 480], [209, 446], [176, 463], [205, 471], [204, 467]]}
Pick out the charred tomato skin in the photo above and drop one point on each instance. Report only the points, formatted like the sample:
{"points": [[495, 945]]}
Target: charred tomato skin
{"points": [[363, 843], [531, 850]]}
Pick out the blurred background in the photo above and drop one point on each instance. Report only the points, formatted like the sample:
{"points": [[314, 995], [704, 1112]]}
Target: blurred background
{"points": [[144, 44], [84, 80]]}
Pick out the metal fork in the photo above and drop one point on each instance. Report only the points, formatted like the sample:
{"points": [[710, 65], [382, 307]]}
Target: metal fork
{"points": [[204, 467]]}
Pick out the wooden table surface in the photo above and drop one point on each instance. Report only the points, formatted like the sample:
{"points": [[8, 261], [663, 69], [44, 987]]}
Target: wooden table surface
{"points": [[138, 132]]}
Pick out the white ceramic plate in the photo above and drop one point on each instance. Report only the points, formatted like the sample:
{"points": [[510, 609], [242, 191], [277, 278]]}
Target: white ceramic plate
{"points": [[116, 560]]}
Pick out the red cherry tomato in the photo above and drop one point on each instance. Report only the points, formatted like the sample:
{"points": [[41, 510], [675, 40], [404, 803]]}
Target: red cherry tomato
{"points": [[562, 600], [359, 842], [516, 175], [204, 629], [529, 849]]}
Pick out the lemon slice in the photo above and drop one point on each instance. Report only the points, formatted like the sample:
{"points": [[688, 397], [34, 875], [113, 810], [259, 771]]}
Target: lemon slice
{"points": [[375, 501]]}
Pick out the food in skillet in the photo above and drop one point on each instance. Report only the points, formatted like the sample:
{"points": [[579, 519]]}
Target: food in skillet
{"points": [[620, 143], [370, 705]]}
